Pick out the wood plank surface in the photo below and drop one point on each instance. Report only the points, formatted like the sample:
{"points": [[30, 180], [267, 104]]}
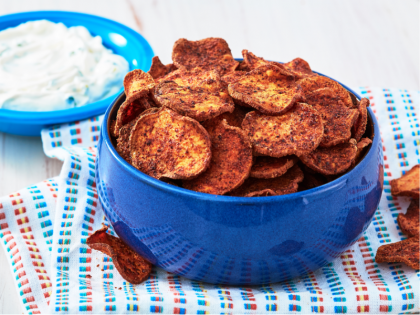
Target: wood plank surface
{"points": [[358, 42]]}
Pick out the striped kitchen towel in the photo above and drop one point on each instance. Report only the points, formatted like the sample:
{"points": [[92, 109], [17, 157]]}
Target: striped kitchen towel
{"points": [[43, 230]]}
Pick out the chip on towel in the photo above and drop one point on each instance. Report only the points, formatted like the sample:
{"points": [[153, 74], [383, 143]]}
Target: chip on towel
{"points": [[409, 222], [338, 119], [131, 266], [206, 54], [231, 160], [299, 131], [333, 160], [406, 251], [137, 84], [268, 88], [271, 167], [282, 185], [408, 184], [166, 144]]}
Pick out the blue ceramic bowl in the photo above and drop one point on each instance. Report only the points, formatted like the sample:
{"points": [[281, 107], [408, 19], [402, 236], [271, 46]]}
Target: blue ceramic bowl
{"points": [[115, 36], [237, 240]]}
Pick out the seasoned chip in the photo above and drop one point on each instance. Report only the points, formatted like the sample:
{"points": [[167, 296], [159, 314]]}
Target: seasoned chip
{"points": [[285, 184], [311, 180], [243, 66], [137, 84], [123, 141], [206, 54], [361, 145], [268, 88], [333, 160], [406, 251], [359, 126], [131, 266], [129, 111], [338, 119], [199, 95], [409, 222], [270, 167], [300, 68], [234, 119], [252, 62], [232, 77], [166, 144], [158, 69], [299, 131], [408, 184], [112, 128], [231, 160], [313, 83]]}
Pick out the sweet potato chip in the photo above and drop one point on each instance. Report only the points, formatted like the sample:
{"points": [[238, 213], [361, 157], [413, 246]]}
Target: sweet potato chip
{"points": [[409, 222], [338, 119], [270, 167], [131, 266], [166, 144], [268, 88], [137, 84], [199, 95], [282, 185], [123, 141], [333, 160], [233, 119], [300, 68], [252, 62], [311, 180], [232, 77], [206, 54], [158, 69], [359, 126], [313, 83], [361, 145], [231, 160], [299, 131], [408, 184], [129, 111], [406, 251]]}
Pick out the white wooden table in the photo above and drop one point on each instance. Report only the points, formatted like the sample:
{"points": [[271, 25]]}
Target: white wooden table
{"points": [[359, 42]]}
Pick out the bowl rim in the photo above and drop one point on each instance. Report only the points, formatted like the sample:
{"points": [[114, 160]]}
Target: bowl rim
{"points": [[75, 113], [155, 183]]}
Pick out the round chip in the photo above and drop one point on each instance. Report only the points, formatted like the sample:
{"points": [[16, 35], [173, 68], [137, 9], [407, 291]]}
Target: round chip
{"points": [[232, 77], [270, 167], [199, 95], [158, 69], [333, 160], [300, 68], [268, 88], [233, 119], [299, 131], [131, 266], [231, 160], [283, 185], [359, 126], [137, 84], [361, 145], [338, 119], [206, 54], [252, 62], [313, 83], [166, 144], [129, 111]]}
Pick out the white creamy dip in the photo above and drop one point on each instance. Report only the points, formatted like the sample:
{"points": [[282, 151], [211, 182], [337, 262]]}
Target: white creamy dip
{"points": [[46, 66]]}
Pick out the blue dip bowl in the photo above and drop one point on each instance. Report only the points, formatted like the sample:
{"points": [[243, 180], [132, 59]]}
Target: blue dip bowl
{"points": [[121, 39], [237, 240]]}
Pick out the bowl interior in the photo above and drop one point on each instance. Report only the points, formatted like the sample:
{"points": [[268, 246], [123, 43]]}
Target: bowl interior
{"points": [[369, 133], [119, 38]]}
